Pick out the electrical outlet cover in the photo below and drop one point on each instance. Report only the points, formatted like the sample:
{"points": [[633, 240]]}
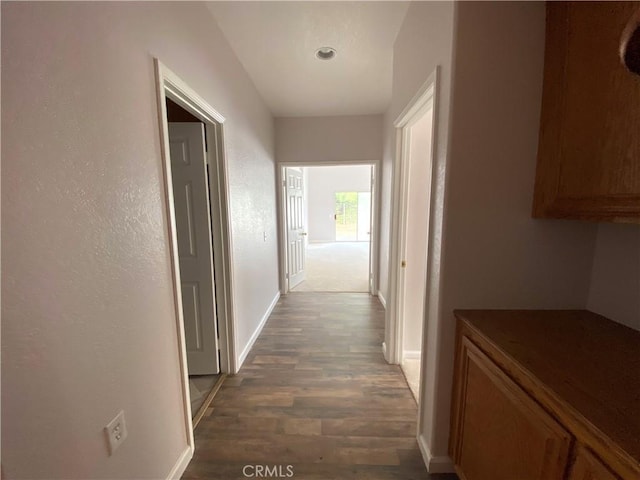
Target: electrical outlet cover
{"points": [[116, 432]]}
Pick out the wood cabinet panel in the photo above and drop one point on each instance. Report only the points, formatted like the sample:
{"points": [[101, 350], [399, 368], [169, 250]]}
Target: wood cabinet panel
{"points": [[589, 146], [588, 467], [502, 433], [528, 381]]}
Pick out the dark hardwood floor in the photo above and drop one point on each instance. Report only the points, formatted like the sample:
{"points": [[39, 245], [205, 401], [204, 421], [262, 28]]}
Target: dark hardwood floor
{"points": [[314, 393]]}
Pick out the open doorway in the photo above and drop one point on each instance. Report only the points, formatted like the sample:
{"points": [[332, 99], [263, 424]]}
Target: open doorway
{"points": [[328, 218], [410, 252], [197, 218], [418, 142], [192, 203], [352, 216]]}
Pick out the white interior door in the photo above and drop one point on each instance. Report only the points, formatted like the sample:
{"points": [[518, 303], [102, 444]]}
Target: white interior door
{"points": [[372, 230], [416, 232], [295, 226], [195, 249]]}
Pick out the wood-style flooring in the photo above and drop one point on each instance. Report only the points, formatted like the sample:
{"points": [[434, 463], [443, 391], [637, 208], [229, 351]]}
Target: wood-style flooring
{"points": [[314, 393]]}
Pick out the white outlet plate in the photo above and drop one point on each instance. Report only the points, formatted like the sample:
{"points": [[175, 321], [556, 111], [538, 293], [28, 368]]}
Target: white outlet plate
{"points": [[116, 432]]}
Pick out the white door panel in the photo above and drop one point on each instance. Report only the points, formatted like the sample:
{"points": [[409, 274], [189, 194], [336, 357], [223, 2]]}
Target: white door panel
{"points": [[295, 227], [195, 249]]}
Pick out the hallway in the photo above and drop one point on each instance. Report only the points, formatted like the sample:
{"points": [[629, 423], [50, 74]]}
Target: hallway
{"points": [[314, 393]]}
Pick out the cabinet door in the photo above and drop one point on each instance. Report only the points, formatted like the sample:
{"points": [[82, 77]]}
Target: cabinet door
{"points": [[588, 467], [589, 147], [500, 432]]}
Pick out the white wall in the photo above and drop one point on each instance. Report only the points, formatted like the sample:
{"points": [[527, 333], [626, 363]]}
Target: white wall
{"points": [[615, 276], [320, 139], [322, 184], [88, 321], [424, 42], [496, 255]]}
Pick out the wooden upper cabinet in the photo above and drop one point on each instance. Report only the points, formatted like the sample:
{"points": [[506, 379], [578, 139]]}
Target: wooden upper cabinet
{"points": [[589, 145]]}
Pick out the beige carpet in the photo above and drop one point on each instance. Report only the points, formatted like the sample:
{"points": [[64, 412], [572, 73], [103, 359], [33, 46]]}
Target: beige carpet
{"points": [[336, 267]]}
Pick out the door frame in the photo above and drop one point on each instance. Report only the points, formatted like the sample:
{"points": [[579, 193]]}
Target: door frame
{"points": [[425, 96], [169, 85], [375, 216]]}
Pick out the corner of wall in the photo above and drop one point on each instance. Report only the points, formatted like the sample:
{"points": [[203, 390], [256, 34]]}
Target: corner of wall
{"points": [[615, 274]]}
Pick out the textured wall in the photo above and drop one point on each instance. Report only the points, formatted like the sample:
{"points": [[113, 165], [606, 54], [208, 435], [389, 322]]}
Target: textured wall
{"points": [[321, 139], [88, 321], [496, 255], [424, 43]]}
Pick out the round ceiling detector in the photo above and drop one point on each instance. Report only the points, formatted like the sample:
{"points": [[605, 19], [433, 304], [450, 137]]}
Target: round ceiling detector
{"points": [[325, 53]]}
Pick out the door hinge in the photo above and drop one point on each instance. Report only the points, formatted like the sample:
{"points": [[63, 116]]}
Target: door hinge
{"points": [[403, 263]]}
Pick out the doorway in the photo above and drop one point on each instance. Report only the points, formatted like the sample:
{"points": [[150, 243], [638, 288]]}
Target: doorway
{"points": [[414, 267], [328, 215], [353, 216], [410, 241], [196, 195], [190, 182]]}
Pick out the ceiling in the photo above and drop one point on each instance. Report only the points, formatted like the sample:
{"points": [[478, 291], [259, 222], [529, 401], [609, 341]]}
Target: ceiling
{"points": [[276, 44]]}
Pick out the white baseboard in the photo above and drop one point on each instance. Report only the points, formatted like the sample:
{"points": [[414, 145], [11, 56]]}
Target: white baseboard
{"points": [[382, 299], [181, 465], [441, 464], [411, 354], [256, 333]]}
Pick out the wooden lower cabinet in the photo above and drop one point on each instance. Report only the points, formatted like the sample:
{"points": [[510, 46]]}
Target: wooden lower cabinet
{"points": [[545, 395], [502, 434], [588, 467]]}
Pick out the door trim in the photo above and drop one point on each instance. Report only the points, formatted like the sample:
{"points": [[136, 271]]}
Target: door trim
{"points": [[282, 211], [169, 85], [427, 95]]}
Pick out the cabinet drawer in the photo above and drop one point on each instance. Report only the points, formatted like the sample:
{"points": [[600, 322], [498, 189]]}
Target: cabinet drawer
{"points": [[500, 433]]}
